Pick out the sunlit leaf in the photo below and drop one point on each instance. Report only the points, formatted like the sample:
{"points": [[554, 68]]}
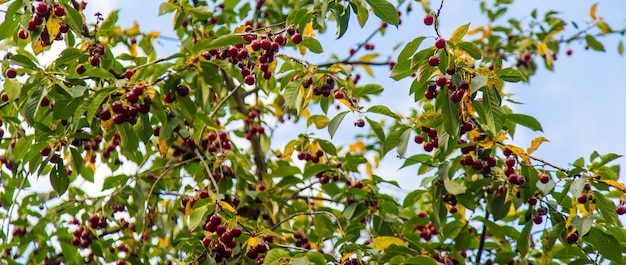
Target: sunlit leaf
{"points": [[383, 242], [535, 144]]}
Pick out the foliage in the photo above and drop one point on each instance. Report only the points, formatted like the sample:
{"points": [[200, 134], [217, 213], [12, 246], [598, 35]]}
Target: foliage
{"points": [[199, 179]]}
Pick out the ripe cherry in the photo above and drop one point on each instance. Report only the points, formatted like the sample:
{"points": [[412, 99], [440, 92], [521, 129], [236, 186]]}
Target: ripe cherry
{"points": [[440, 43], [296, 38], [22, 34], [359, 123], [433, 60], [182, 90], [429, 19], [59, 11], [11, 73], [544, 178], [620, 210], [338, 94]]}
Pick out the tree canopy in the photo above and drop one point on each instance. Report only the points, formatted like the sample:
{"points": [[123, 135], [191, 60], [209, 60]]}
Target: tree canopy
{"points": [[197, 174]]}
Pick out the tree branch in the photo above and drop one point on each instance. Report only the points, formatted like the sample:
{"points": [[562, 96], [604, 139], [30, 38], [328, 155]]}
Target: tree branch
{"points": [[324, 65]]}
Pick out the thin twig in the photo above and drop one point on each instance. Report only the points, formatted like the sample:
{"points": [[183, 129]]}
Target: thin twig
{"points": [[483, 236], [549, 164], [208, 171], [437, 19]]}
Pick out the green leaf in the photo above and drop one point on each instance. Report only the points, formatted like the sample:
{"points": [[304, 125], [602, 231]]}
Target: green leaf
{"points": [[385, 11], [316, 258], [422, 260], [526, 121], [23, 61], [451, 121], [73, 18], [343, 18], [383, 110], [620, 48], [327, 146], [274, 255], [471, 49], [458, 33], [166, 7], [312, 44], [369, 89], [393, 137], [607, 208], [320, 121], [223, 41], [605, 243], [377, 128], [362, 14], [414, 159], [511, 75], [523, 244], [59, 179], [335, 122], [99, 73], [403, 142], [493, 112], [454, 187], [197, 216], [201, 12], [284, 171], [69, 56], [593, 43]]}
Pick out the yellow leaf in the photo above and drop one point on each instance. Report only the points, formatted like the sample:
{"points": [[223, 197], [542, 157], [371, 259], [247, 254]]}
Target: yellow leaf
{"points": [[242, 28], [226, 206], [614, 184], [53, 25], [346, 256], [153, 35], [305, 113], [164, 242], [107, 125], [133, 31], [592, 11], [253, 241], [345, 102], [369, 57], [474, 30], [188, 208], [535, 144], [541, 50], [368, 70], [519, 152], [368, 169], [38, 48], [383, 242], [302, 49], [163, 147], [357, 147], [467, 107], [133, 49], [319, 202], [92, 166], [604, 28], [308, 30]]}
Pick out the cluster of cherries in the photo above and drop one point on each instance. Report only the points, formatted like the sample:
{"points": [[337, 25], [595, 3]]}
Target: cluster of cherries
{"points": [[82, 237], [225, 243], [129, 109], [301, 240], [115, 142], [251, 127], [42, 12], [267, 47], [427, 231], [308, 156], [256, 252], [326, 177], [509, 172], [431, 133], [450, 199]]}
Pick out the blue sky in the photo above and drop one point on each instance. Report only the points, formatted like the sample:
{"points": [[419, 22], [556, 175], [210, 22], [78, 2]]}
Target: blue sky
{"points": [[579, 104]]}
